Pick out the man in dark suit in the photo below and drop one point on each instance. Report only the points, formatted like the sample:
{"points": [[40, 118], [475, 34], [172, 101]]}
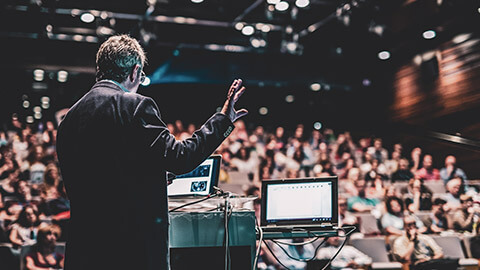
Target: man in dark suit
{"points": [[114, 151]]}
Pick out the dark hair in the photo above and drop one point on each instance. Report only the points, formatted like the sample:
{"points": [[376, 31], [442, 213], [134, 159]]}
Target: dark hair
{"points": [[117, 57], [389, 207], [439, 201], [22, 217]]}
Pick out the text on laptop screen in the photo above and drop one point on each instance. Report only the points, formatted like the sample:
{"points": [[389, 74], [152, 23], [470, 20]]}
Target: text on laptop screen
{"points": [[198, 182], [300, 201]]}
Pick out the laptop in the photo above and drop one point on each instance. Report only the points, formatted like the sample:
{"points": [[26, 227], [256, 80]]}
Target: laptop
{"points": [[197, 183], [299, 204]]}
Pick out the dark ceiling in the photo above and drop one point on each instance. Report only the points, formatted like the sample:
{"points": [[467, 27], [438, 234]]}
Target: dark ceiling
{"points": [[333, 42]]}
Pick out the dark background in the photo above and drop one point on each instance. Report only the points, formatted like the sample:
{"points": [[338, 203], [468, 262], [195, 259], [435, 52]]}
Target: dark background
{"points": [[413, 97]]}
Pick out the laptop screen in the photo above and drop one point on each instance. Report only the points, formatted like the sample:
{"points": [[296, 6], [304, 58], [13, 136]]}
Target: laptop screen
{"points": [[198, 182], [301, 201]]}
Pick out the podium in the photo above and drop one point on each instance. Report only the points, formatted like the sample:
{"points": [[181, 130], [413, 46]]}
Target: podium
{"points": [[197, 240]]}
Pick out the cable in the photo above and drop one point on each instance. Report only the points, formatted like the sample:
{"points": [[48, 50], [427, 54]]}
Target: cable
{"points": [[343, 244], [227, 253], [275, 255], [297, 244], [352, 228], [211, 195], [257, 253], [300, 259]]}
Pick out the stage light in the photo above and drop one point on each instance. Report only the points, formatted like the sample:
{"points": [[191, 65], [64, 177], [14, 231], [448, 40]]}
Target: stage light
{"points": [[146, 82], [256, 43], [37, 115], [263, 110], [38, 75], [461, 38], [384, 55], [273, 2], [77, 38], [266, 28], [87, 17], [282, 6], [197, 1], [248, 30], [37, 109], [429, 34], [239, 26], [302, 3], [45, 106], [26, 104], [62, 76], [317, 125], [289, 98], [366, 82], [315, 87], [29, 119]]}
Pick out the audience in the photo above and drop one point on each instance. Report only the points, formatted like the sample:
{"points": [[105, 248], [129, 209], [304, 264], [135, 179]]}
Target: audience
{"points": [[454, 190], [417, 196], [31, 188], [348, 258], [451, 170], [361, 202], [24, 230], [428, 172], [438, 220], [414, 247], [403, 172], [463, 217], [42, 254]]}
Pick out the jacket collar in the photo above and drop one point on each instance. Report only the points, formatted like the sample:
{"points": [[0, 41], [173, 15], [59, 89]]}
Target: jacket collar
{"points": [[111, 84]]}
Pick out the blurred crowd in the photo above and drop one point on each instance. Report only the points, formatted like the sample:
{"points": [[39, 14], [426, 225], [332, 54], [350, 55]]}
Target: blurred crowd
{"points": [[390, 184]]}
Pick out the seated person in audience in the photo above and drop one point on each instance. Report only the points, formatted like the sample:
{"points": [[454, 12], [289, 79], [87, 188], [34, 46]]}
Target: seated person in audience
{"points": [[362, 202], [451, 170], [403, 173], [295, 249], [417, 196], [24, 194], [463, 218], [437, 220], [345, 217], [428, 172], [415, 162], [414, 247], [454, 190], [349, 183], [43, 254], [24, 230], [392, 220], [349, 257]]}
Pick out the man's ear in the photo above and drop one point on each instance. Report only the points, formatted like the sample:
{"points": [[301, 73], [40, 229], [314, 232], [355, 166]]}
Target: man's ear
{"points": [[135, 71]]}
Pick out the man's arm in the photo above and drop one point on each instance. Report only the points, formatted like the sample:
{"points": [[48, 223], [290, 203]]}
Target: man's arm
{"points": [[183, 156]]}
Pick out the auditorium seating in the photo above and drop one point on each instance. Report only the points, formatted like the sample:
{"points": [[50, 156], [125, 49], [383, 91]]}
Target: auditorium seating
{"points": [[452, 248], [60, 248], [376, 248], [368, 223]]}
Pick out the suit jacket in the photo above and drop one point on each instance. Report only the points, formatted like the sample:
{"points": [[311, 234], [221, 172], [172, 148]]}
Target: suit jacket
{"points": [[114, 151]]}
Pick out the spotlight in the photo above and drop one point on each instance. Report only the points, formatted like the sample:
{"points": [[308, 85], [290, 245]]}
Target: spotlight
{"points": [[384, 55], [263, 110], [248, 30], [282, 6], [302, 3], [38, 75], [87, 17], [317, 125], [315, 86], [429, 34]]}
